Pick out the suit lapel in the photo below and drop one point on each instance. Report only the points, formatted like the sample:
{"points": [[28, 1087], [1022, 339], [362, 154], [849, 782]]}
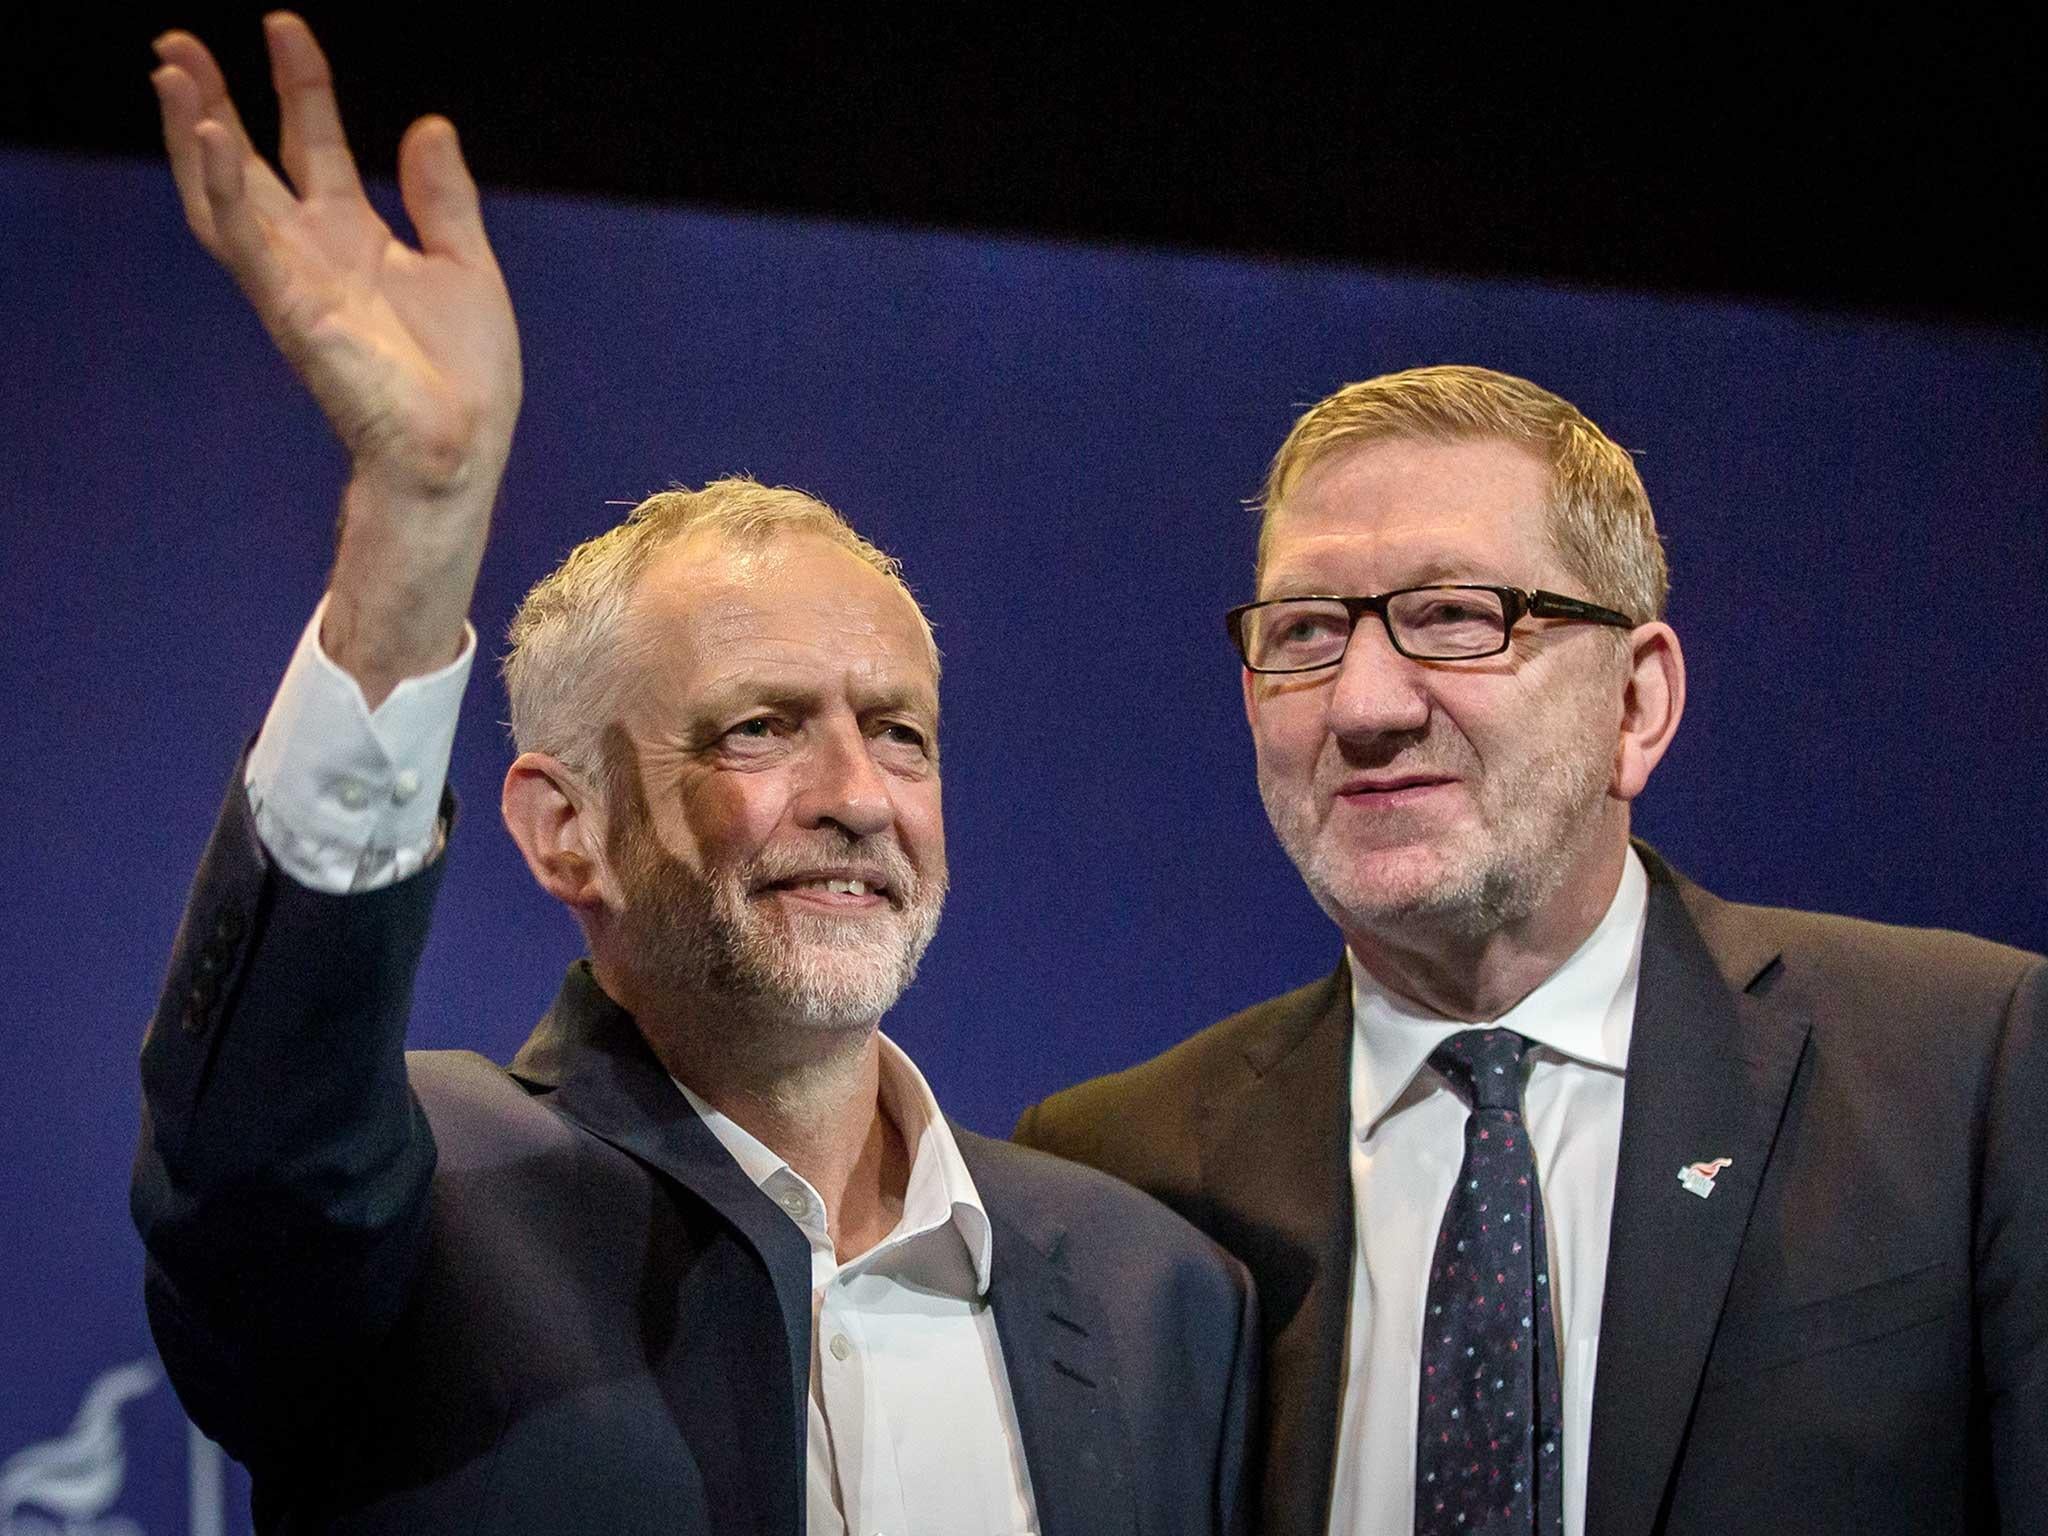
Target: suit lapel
{"points": [[1062, 1379], [589, 1056], [1710, 1065], [1275, 1158]]}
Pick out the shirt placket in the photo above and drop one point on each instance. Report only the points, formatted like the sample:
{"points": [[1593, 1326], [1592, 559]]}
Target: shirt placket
{"points": [[855, 1407]]}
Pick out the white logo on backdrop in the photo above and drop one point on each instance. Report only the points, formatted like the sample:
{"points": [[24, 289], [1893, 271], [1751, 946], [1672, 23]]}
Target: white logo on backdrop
{"points": [[66, 1486]]}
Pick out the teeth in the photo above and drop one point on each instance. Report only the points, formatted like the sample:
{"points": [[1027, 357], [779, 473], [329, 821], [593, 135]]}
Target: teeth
{"points": [[848, 887]]}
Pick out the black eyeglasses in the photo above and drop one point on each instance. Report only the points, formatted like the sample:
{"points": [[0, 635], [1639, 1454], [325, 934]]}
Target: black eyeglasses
{"points": [[1440, 623]]}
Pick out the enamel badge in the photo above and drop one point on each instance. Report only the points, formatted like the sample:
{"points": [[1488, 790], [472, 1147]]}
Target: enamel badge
{"points": [[1699, 1178]]}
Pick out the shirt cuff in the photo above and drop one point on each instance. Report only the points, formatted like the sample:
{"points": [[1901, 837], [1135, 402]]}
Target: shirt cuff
{"points": [[346, 798]]}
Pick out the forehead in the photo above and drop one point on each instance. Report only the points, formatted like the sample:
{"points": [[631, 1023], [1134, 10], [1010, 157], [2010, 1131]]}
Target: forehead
{"points": [[795, 611], [1410, 511]]}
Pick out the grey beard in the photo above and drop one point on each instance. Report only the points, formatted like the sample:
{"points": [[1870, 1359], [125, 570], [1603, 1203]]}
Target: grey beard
{"points": [[692, 937], [1531, 853]]}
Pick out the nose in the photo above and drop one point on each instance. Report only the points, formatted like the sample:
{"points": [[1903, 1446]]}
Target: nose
{"points": [[843, 787], [1377, 690]]}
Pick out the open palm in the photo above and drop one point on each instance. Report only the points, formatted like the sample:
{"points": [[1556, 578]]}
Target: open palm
{"points": [[413, 354]]}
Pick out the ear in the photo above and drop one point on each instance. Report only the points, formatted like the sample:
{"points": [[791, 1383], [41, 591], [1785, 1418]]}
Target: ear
{"points": [[1651, 705], [559, 826], [1250, 680]]}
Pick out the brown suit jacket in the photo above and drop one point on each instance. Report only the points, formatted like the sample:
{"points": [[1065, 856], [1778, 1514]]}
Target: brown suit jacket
{"points": [[1851, 1334]]}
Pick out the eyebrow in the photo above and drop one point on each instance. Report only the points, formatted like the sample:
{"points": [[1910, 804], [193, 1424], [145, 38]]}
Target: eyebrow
{"points": [[1439, 571], [719, 699]]}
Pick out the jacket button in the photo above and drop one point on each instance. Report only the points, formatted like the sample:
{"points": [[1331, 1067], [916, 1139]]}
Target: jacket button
{"points": [[194, 1021], [229, 927]]}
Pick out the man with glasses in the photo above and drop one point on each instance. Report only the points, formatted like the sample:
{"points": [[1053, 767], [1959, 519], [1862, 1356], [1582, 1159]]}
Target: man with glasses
{"points": [[1578, 1199]]}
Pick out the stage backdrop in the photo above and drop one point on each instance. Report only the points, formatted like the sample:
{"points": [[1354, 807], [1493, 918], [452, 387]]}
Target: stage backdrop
{"points": [[1057, 441]]}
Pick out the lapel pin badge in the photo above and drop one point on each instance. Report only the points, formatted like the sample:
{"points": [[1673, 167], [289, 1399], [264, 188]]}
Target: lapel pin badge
{"points": [[1699, 1178]]}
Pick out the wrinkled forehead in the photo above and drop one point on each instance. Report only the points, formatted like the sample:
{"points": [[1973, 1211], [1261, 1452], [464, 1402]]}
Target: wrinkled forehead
{"points": [[1419, 509], [713, 604]]}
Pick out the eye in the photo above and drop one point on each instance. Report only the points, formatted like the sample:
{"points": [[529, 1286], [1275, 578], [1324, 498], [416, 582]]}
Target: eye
{"points": [[1452, 609], [899, 733], [757, 733], [902, 744], [1298, 634], [1306, 628]]}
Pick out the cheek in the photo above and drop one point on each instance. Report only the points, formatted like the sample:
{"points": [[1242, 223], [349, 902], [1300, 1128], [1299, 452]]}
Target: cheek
{"points": [[728, 817], [922, 824], [1288, 730], [1547, 730]]}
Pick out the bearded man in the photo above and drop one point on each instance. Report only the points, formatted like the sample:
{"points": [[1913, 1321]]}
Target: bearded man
{"points": [[707, 1258], [1578, 1200]]}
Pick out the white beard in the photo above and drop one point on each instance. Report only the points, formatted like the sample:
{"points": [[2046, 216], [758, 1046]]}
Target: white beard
{"points": [[698, 936]]}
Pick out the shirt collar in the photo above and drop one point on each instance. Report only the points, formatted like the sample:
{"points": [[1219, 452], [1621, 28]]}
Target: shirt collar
{"points": [[1585, 1009], [940, 1191]]}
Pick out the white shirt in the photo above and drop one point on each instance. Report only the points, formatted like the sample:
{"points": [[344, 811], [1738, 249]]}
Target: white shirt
{"points": [[912, 1428], [346, 799], [1408, 1136]]}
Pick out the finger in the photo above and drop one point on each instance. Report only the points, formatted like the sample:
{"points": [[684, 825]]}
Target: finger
{"points": [[184, 52], [311, 143], [439, 193], [239, 242], [177, 99]]}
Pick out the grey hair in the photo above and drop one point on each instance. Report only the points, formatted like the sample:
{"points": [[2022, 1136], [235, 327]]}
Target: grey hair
{"points": [[567, 666]]}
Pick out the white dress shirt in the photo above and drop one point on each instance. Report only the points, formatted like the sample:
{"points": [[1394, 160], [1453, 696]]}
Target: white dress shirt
{"points": [[912, 1428], [913, 1431], [1408, 1139], [346, 799]]}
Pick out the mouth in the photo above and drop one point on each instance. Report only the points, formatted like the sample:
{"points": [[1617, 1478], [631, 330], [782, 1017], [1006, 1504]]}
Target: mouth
{"points": [[1392, 789], [838, 889]]}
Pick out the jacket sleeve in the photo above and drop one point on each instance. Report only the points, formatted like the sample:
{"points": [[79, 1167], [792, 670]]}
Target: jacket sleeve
{"points": [[2011, 1262], [282, 1180], [1237, 1466]]}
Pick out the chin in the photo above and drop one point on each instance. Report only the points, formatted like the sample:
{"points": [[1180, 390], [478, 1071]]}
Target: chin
{"points": [[828, 974], [1419, 888], [827, 989]]}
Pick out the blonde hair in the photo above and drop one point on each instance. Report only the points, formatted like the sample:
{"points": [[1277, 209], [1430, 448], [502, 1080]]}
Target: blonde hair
{"points": [[1598, 520], [568, 662]]}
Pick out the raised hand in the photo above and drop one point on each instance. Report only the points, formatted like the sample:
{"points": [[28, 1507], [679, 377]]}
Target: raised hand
{"points": [[412, 354]]}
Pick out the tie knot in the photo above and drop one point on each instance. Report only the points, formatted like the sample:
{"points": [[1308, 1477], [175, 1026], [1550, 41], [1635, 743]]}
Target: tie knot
{"points": [[1485, 1065]]}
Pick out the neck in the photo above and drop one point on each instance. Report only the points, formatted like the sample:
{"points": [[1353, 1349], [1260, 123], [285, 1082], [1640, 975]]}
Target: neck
{"points": [[810, 1095], [1478, 977]]}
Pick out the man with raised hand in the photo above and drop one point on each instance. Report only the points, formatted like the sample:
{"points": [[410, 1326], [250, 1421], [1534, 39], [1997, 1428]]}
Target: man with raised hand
{"points": [[707, 1258], [1578, 1200]]}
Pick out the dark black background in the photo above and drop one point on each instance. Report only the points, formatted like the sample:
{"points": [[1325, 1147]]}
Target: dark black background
{"points": [[1885, 164]]}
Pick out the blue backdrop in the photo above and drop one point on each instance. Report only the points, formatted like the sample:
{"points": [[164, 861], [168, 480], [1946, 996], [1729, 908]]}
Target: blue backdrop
{"points": [[1854, 511]]}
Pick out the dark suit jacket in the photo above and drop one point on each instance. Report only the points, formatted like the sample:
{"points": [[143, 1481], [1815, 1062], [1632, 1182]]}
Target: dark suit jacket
{"points": [[1850, 1334], [426, 1295]]}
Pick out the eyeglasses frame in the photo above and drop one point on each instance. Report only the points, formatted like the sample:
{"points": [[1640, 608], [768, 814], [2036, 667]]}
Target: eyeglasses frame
{"points": [[1517, 604]]}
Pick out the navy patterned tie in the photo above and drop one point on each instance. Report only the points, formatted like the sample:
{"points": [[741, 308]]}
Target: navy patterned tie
{"points": [[1489, 1456]]}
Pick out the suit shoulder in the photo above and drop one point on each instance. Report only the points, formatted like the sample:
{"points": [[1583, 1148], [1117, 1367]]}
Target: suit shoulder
{"points": [[1883, 963], [1032, 1189], [1184, 1073], [1142, 1123], [481, 1114], [1860, 943], [1923, 1005]]}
